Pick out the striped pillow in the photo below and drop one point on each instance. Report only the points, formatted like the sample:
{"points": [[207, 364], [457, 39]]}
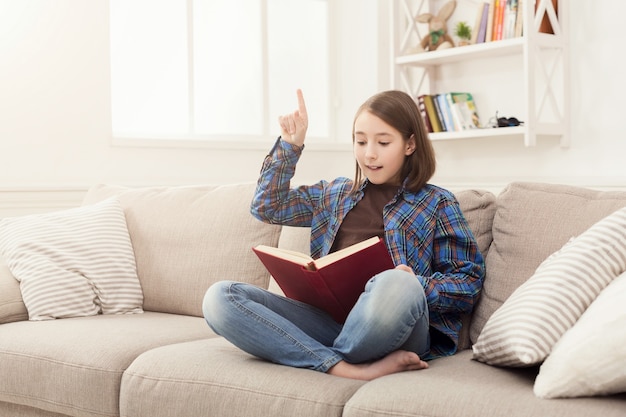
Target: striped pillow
{"points": [[73, 263], [524, 329]]}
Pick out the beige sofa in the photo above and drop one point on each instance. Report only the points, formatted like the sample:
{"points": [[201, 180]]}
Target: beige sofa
{"points": [[166, 362]]}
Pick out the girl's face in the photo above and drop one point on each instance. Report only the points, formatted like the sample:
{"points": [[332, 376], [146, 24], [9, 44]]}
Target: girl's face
{"points": [[379, 149]]}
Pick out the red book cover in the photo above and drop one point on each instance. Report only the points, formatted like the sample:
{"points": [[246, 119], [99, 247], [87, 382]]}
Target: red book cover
{"points": [[332, 283]]}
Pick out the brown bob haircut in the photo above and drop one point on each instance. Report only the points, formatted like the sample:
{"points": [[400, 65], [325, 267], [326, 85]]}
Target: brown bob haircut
{"points": [[400, 111]]}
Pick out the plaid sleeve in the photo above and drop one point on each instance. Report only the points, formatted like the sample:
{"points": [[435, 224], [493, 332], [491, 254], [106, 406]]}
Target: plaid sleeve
{"points": [[458, 266], [274, 201]]}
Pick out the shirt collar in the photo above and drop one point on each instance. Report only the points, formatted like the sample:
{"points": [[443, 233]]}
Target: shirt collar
{"points": [[402, 192]]}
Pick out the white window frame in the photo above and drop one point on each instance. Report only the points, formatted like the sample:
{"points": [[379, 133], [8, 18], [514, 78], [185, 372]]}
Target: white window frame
{"points": [[270, 131]]}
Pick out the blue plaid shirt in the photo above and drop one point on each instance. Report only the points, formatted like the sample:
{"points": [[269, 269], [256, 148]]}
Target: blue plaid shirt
{"points": [[424, 230]]}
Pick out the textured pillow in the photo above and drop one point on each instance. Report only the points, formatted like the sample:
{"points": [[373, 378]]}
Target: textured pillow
{"points": [[589, 359], [73, 263], [525, 328]]}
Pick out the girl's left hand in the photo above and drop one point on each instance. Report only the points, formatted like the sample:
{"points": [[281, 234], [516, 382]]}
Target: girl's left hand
{"points": [[405, 268], [293, 126]]}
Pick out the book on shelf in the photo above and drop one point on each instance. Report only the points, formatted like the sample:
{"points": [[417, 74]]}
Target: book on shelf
{"points": [[481, 23], [455, 112], [433, 120], [332, 283], [446, 114], [459, 107], [468, 114], [519, 20], [438, 111], [510, 16], [498, 19], [504, 19], [490, 16], [421, 105], [431, 112]]}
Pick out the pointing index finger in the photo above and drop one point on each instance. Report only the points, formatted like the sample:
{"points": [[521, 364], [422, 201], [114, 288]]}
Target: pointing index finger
{"points": [[301, 105]]}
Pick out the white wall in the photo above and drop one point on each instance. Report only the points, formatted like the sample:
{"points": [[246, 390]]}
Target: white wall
{"points": [[55, 131]]}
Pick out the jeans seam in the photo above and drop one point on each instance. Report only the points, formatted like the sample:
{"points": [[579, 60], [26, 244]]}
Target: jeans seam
{"points": [[329, 363]]}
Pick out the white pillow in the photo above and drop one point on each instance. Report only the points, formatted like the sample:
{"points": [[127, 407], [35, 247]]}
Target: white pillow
{"points": [[73, 263], [589, 359], [525, 328]]}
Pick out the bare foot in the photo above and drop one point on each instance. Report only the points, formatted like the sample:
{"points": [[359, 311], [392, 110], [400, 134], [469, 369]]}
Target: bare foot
{"points": [[398, 361]]}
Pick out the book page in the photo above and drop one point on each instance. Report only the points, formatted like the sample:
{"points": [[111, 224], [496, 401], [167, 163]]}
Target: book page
{"points": [[343, 253], [290, 255]]}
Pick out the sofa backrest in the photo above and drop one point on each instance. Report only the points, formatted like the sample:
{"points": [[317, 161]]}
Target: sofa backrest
{"points": [[532, 221], [186, 238]]}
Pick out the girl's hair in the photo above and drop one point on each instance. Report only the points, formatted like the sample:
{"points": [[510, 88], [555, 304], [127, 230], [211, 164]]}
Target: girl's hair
{"points": [[400, 111]]}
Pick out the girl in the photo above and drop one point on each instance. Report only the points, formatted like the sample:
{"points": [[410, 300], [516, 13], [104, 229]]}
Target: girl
{"points": [[406, 315]]}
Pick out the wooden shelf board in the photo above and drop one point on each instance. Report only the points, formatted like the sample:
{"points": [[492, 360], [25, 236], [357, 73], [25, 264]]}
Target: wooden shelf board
{"points": [[460, 53]]}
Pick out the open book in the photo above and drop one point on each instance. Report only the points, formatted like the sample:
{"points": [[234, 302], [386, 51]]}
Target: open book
{"points": [[333, 282]]}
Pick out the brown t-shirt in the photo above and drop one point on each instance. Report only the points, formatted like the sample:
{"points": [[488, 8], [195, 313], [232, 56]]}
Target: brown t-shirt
{"points": [[365, 220]]}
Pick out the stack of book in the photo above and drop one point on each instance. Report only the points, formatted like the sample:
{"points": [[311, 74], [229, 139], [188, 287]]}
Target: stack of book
{"points": [[448, 112], [497, 20]]}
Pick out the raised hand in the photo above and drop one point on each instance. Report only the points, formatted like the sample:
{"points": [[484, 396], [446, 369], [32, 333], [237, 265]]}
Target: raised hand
{"points": [[293, 126]]}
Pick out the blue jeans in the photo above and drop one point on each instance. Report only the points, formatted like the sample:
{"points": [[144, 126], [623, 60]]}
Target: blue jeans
{"points": [[391, 314]]}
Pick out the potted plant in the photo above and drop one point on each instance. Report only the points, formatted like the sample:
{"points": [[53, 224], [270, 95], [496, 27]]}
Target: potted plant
{"points": [[463, 32]]}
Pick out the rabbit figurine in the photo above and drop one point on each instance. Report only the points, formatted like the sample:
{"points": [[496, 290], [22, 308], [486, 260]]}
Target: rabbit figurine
{"points": [[437, 37]]}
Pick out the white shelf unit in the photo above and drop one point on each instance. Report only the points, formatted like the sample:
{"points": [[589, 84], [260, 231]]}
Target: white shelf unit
{"points": [[544, 64]]}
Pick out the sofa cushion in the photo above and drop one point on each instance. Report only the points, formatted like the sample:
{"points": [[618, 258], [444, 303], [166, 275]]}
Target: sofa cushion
{"points": [[74, 366], [458, 386], [186, 238], [214, 378], [598, 338], [72, 263], [524, 329], [531, 222], [12, 307]]}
